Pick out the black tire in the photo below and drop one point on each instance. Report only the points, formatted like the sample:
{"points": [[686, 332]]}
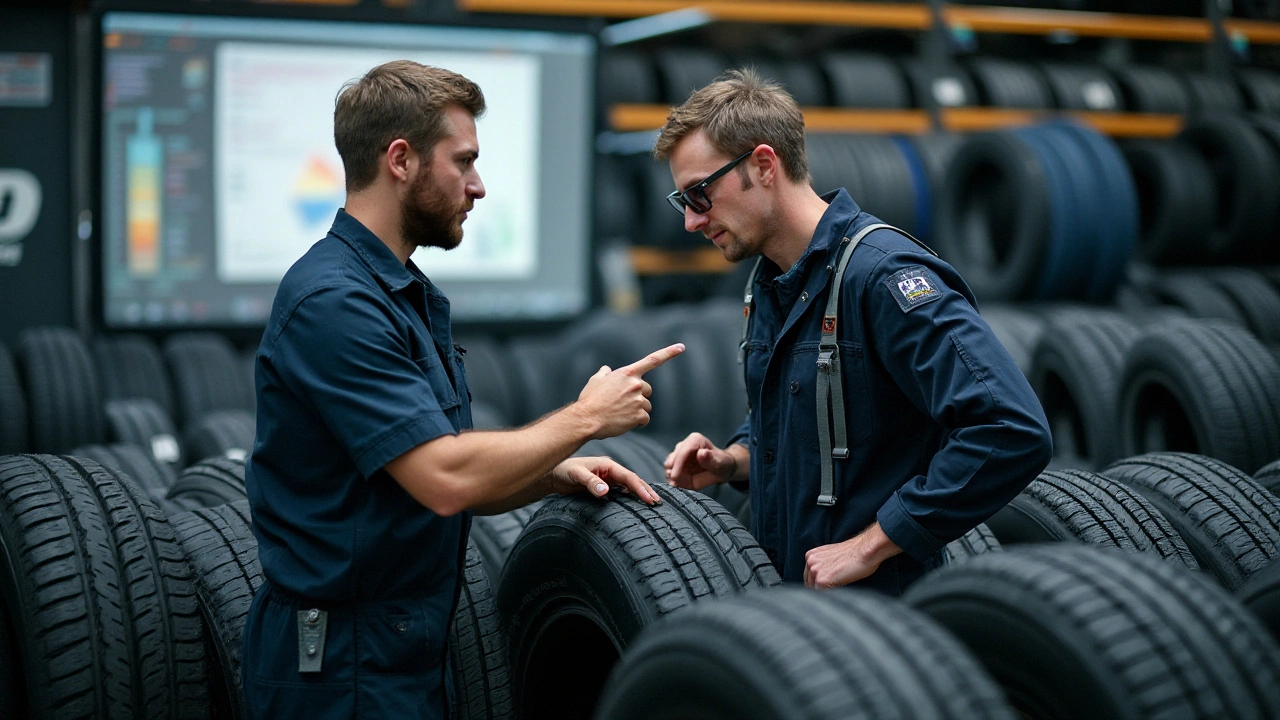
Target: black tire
{"points": [[1193, 292], [681, 70], [135, 462], [221, 433], [799, 78], [1078, 506], [865, 80], [64, 404], [101, 600], [220, 545], [478, 649], [1009, 84], [640, 454], [207, 375], [1075, 371], [709, 378], [142, 422], [493, 536], [585, 577], [1201, 387], [1071, 631], [1211, 93], [1261, 594], [795, 653], [1268, 476], [741, 554], [1261, 89], [888, 188], [978, 541], [13, 408], [1083, 87], [487, 376], [1245, 172], [1150, 89], [994, 216], [209, 483], [950, 86], [131, 366], [928, 157], [1253, 296], [534, 366], [1177, 199], [1230, 523]]}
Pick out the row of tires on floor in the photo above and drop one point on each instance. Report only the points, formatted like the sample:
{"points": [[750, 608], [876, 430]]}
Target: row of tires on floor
{"points": [[1149, 590], [1054, 211], [188, 398]]}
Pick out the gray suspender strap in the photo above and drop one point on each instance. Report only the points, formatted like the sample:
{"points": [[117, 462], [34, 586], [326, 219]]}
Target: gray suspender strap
{"points": [[834, 446], [830, 388]]}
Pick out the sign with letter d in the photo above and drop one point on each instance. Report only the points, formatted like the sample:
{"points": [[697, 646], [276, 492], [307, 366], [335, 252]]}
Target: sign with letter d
{"points": [[20, 198]]}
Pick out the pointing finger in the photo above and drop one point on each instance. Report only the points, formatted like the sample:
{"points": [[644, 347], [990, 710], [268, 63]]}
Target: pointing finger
{"points": [[652, 360]]}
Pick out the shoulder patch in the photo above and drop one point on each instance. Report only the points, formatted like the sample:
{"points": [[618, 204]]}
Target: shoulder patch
{"points": [[913, 287]]}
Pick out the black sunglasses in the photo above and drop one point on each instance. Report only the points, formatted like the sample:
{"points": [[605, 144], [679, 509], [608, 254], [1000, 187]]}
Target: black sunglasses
{"points": [[695, 197]]}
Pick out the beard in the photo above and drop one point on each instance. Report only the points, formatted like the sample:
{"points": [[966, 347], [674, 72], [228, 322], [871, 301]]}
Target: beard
{"points": [[428, 218]]}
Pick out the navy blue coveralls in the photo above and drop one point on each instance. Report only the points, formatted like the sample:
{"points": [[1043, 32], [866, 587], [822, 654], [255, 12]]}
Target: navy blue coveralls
{"points": [[355, 368], [943, 429]]}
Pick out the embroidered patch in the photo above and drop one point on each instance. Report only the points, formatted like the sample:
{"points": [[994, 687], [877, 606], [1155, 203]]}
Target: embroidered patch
{"points": [[913, 287], [828, 324]]}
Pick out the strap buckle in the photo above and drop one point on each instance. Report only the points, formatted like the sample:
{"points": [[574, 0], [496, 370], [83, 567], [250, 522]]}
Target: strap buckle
{"points": [[826, 500], [826, 358]]}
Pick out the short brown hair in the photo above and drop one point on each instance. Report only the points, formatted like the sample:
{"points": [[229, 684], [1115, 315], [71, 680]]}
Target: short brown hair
{"points": [[399, 99], [738, 111]]}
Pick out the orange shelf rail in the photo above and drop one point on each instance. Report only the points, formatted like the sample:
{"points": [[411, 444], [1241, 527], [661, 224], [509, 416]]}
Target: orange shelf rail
{"points": [[656, 261], [632, 117], [901, 16]]}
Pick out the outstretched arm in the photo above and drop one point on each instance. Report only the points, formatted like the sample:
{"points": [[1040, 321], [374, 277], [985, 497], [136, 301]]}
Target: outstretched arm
{"points": [[489, 470]]}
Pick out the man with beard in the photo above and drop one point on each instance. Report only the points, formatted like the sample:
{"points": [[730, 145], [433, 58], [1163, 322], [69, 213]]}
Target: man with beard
{"points": [[881, 425], [363, 476]]}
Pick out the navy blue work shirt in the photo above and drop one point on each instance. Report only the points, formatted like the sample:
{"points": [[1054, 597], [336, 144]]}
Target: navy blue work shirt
{"points": [[355, 368], [943, 429]]}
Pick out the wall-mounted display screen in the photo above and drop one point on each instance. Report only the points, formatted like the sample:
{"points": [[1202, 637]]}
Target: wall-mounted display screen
{"points": [[219, 170]]}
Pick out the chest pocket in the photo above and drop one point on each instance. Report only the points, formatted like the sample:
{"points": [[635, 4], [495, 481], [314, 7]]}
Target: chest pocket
{"points": [[800, 389], [464, 394], [443, 390]]}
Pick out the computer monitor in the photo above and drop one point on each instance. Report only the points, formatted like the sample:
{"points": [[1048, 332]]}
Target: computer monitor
{"points": [[219, 169]]}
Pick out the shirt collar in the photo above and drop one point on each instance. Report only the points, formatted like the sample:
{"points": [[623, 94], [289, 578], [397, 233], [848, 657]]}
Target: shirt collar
{"points": [[840, 210], [375, 253]]}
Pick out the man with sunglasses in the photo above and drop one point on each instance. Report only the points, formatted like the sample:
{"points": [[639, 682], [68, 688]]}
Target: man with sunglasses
{"points": [[878, 429]]}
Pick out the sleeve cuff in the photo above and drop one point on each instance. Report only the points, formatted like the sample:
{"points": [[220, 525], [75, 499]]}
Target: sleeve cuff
{"points": [[401, 439], [904, 531]]}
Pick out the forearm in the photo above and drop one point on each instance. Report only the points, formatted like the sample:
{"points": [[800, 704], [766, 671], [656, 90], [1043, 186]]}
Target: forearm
{"points": [[742, 456], [491, 470]]}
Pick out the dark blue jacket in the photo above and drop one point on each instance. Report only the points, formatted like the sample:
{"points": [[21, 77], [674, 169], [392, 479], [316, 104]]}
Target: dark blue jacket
{"points": [[943, 429]]}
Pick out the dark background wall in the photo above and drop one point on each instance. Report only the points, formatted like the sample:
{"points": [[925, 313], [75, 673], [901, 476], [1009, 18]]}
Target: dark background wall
{"points": [[35, 72]]}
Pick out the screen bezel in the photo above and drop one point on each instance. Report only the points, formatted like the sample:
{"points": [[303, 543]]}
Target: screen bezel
{"points": [[363, 14]]}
